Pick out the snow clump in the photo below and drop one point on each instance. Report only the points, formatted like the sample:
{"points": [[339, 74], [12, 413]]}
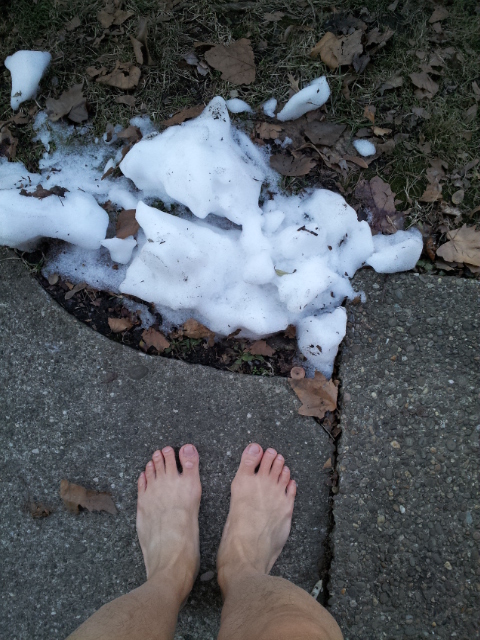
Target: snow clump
{"points": [[233, 256], [269, 107], [364, 147], [309, 98], [27, 69], [235, 105]]}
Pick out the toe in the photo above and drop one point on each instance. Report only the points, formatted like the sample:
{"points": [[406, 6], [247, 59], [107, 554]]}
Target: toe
{"points": [[150, 471], [170, 462], [158, 462], [250, 459], [189, 458], [292, 489], [267, 460], [285, 477], [277, 467], [142, 482]]}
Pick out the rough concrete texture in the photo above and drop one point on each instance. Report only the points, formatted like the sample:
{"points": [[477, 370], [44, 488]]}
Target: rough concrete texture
{"points": [[407, 517], [75, 405]]}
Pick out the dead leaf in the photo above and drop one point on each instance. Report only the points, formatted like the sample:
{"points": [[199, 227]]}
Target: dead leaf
{"points": [[428, 88], [41, 193], [8, 144], [457, 197], [154, 338], [260, 348], [297, 373], [93, 72], [128, 100], [375, 36], [360, 62], [378, 131], [273, 17], [293, 82], [139, 43], [336, 51], [328, 464], [290, 166], [76, 497], [471, 114], [440, 13], [421, 113], [127, 224], [73, 24], [318, 395], [290, 332], [267, 130], [463, 246], [111, 15], [78, 287], [125, 76], [360, 162], [39, 510], [392, 83], [324, 133], [369, 112], [185, 114], [432, 192], [193, 329], [71, 103], [430, 248], [236, 61], [393, 6], [378, 205], [131, 134], [117, 325]]}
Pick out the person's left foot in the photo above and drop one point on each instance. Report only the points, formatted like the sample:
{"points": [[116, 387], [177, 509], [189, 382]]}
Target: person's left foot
{"points": [[167, 518]]}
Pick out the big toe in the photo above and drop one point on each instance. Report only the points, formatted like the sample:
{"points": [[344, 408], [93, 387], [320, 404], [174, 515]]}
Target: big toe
{"points": [[189, 459], [250, 459]]}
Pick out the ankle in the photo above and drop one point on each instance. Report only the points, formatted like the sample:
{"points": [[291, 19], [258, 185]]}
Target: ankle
{"points": [[230, 574]]}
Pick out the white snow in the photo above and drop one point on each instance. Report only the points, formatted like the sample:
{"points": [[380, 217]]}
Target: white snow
{"points": [[310, 97], [27, 69], [269, 107], [364, 147], [235, 105], [120, 248], [222, 257]]}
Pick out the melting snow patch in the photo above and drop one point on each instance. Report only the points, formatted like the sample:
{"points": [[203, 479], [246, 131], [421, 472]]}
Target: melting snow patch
{"points": [[235, 105], [27, 69], [229, 254], [364, 147]]}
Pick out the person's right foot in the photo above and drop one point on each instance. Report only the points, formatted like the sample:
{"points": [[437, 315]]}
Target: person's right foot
{"points": [[260, 516]]}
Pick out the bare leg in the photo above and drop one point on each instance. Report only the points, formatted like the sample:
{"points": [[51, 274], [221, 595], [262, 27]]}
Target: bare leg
{"points": [[167, 526], [258, 606]]}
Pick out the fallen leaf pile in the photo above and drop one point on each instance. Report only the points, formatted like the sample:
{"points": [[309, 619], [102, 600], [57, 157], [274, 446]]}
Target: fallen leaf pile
{"points": [[318, 395], [75, 497]]}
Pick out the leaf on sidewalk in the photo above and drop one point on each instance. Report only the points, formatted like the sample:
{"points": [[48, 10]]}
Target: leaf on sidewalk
{"points": [[75, 497], [235, 60], [127, 224], [71, 103], [154, 338], [193, 329], [125, 76], [185, 114], [260, 348], [318, 395], [118, 325], [463, 246]]}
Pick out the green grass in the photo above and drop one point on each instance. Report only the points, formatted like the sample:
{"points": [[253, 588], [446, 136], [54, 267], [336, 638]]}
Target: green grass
{"points": [[281, 48]]}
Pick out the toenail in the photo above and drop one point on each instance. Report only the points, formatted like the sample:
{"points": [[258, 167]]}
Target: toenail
{"points": [[167, 449], [279, 458], [271, 451], [253, 448], [189, 449], [157, 454]]}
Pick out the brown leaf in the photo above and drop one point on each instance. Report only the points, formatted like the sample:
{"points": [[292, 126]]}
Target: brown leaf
{"points": [[318, 395], [193, 329], [290, 166], [430, 248], [392, 83], [39, 510], [376, 37], [378, 131], [273, 17], [440, 13], [268, 131], [471, 114], [125, 76], [128, 100], [78, 287], [110, 15], [290, 332], [336, 51], [154, 338], [297, 373], [93, 72], [185, 114], [71, 103], [41, 193], [8, 144], [131, 134], [73, 24], [140, 45], [361, 162], [76, 497], [378, 205], [463, 246], [260, 348], [117, 325], [328, 464], [324, 133], [127, 224], [432, 193], [423, 81], [457, 197], [235, 61], [369, 112]]}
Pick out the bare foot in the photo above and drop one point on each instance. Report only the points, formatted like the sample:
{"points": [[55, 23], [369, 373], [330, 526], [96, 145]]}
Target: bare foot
{"points": [[260, 516], [167, 518]]}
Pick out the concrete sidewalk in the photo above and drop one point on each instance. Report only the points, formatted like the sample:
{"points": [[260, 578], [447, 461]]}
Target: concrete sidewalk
{"points": [[407, 518], [76, 405]]}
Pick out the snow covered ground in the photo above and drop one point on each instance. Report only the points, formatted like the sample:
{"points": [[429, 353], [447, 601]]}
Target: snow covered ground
{"points": [[234, 255]]}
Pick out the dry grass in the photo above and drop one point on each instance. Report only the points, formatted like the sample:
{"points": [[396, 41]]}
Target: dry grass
{"points": [[281, 48]]}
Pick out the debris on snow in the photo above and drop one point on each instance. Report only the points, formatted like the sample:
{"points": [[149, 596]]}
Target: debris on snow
{"points": [[27, 69]]}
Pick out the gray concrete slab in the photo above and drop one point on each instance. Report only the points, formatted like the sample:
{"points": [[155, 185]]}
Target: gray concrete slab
{"points": [[407, 517], [61, 417]]}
